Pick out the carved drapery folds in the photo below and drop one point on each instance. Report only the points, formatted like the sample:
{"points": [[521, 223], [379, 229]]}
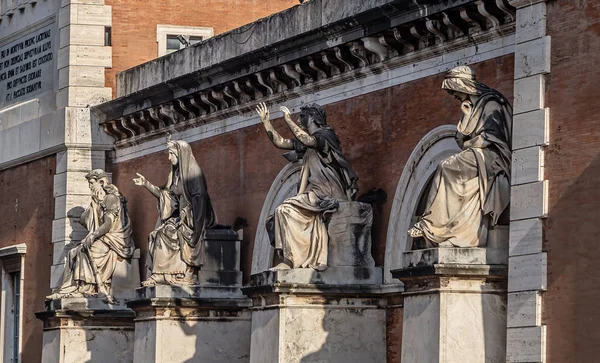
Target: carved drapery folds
{"points": [[473, 22]]}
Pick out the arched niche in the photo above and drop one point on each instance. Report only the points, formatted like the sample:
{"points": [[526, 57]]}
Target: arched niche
{"points": [[434, 147], [284, 186]]}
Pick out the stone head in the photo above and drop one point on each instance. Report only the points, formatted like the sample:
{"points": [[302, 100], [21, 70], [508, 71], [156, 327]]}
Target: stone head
{"points": [[98, 182], [312, 117]]}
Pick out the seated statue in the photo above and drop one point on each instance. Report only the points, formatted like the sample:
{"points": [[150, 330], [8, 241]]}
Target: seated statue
{"points": [[91, 264], [298, 228], [470, 191], [176, 246]]}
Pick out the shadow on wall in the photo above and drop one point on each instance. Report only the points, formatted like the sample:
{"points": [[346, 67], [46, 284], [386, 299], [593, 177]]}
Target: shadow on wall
{"points": [[572, 230]]}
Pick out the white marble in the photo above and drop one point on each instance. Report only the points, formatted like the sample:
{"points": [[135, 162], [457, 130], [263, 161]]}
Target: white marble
{"points": [[462, 256], [527, 165], [82, 35], [340, 275], [524, 309], [531, 129], [532, 57], [529, 94], [527, 272], [531, 22], [526, 345], [526, 237], [212, 339], [529, 201]]}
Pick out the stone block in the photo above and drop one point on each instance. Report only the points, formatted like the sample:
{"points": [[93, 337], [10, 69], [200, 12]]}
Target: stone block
{"points": [[82, 76], [76, 34], [56, 275], [526, 237], [17, 114], [532, 57], [529, 201], [529, 94], [87, 335], [126, 277], [84, 55], [527, 273], [67, 229], [349, 231], [525, 3], [82, 160], [85, 14], [526, 345], [340, 275], [531, 129], [531, 22], [82, 96], [461, 256], [524, 309], [71, 183], [498, 238], [527, 165], [187, 292]]}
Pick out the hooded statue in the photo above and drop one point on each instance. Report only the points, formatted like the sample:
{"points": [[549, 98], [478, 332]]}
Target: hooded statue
{"points": [[176, 246], [470, 191]]}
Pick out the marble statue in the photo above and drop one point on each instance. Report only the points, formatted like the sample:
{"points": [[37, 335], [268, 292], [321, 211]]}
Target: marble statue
{"points": [[298, 229], [91, 264], [470, 191], [176, 246]]}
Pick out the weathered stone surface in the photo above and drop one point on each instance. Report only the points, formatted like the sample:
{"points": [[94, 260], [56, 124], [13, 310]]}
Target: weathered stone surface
{"points": [[350, 235], [464, 256], [342, 275]]}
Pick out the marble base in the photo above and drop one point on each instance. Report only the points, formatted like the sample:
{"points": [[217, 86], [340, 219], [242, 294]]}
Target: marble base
{"points": [[191, 324], [454, 305], [298, 316], [84, 331]]}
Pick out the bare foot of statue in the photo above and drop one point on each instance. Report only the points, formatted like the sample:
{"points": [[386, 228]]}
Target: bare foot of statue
{"points": [[415, 232], [281, 266]]}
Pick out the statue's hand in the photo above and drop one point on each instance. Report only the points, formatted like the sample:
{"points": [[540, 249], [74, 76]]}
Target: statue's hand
{"points": [[466, 107], [140, 180], [263, 112], [286, 113], [87, 241]]}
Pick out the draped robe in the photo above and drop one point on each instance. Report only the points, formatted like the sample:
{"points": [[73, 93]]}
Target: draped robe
{"points": [[470, 190], [298, 226], [114, 245], [185, 211]]}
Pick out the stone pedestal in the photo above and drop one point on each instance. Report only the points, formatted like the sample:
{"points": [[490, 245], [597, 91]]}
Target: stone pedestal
{"points": [[86, 330], [349, 230], [334, 316], [454, 305], [209, 322]]}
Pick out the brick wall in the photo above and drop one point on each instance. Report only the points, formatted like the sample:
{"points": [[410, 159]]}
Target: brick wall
{"points": [[573, 170], [134, 24], [378, 132], [27, 210]]}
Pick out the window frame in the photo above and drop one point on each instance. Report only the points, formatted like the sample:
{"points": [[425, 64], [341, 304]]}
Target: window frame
{"points": [[7, 318], [162, 31]]}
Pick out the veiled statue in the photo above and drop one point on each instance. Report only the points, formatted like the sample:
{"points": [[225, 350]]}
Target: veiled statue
{"points": [[470, 191], [298, 228], [90, 265], [176, 246]]}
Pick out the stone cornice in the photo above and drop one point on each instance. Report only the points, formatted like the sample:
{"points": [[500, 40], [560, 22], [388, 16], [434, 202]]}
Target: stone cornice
{"points": [[318, 62]]}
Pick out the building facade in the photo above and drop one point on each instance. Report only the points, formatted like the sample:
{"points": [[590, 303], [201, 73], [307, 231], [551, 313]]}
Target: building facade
{"points": [[377, 68]]}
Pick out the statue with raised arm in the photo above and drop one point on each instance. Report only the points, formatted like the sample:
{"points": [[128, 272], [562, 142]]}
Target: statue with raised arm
{"points": [[298, 228], [470, 192], [176, 246], [90, 265]]}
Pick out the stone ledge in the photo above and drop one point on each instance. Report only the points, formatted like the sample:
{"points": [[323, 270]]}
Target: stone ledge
{"points": [[83, 304], [341, 275], [174, 292], [457, 256]]}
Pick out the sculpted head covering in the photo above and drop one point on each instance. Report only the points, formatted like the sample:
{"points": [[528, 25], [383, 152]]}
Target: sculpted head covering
{"points": [[317, 112], [96, 174], [463, 79]]}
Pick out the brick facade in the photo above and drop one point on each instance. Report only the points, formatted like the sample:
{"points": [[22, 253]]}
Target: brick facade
{"points": [[573, 170], [134, 24], [27, 212]]}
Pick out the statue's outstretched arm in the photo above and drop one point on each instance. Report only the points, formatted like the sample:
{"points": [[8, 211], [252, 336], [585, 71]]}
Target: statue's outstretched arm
{"points": [[141, 180], [274, 136], [300, 134]]}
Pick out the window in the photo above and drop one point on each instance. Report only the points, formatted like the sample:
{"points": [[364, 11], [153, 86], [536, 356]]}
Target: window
{"points": [[168, 37], [11, 303]]}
